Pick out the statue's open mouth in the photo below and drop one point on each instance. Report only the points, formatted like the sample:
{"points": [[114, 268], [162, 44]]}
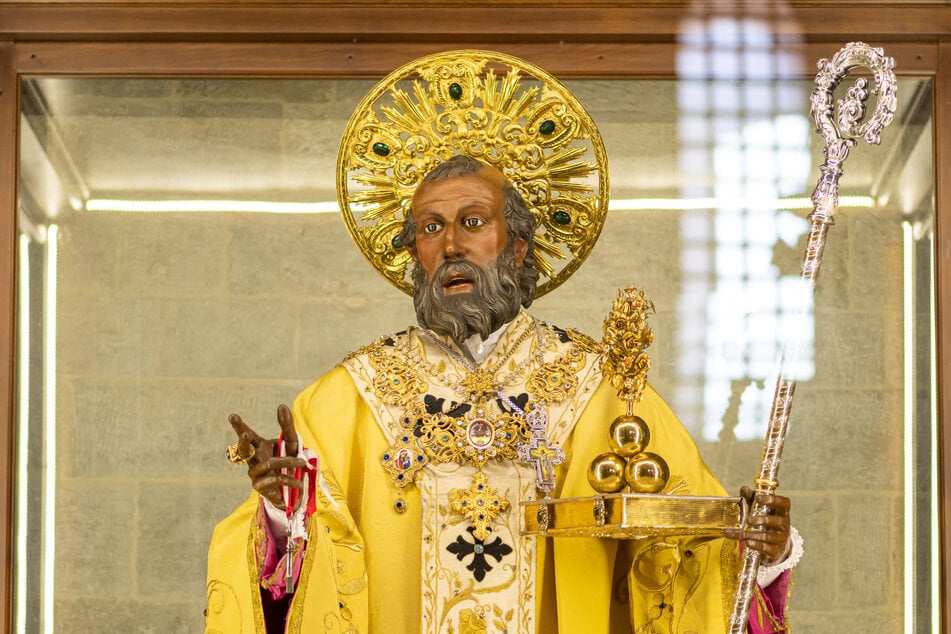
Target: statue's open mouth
{"points": [[457, 280]]}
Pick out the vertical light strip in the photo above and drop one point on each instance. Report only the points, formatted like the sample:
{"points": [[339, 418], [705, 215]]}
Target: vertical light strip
{"points": [[49, 430], [23, 426], [908, 322], [936, 598]]}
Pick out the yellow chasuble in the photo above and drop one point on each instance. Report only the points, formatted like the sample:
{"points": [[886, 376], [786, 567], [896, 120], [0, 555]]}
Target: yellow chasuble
{"points": [[418, 452]]}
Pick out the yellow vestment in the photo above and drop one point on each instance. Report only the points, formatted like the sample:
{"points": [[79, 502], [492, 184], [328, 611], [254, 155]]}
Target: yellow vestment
{"points": [[369, 568]]}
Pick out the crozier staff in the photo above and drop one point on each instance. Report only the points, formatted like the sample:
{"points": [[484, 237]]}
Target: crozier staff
{"points": [[397, 508]]}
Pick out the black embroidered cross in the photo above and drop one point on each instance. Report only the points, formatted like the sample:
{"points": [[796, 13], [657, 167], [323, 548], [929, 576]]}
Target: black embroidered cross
{"points": [[478, 549]]}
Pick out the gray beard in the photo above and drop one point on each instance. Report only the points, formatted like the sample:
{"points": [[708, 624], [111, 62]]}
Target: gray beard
{"points": [[493, 302]]}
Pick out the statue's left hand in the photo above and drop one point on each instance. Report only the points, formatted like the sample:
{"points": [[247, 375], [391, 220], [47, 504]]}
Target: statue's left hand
{"points": [[767, 533]]}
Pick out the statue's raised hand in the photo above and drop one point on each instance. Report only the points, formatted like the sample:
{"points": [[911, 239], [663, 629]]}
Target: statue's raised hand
{"points": [[269, 471]]}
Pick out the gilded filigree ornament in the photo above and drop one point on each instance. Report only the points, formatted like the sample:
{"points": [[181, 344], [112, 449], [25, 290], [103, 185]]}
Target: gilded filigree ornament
{"points": [[495, 108], [480, 504], [625, 364], [626, 335], [368, 349], [557, 380], [479, 384], [473, 438], [404, 459], [396, 383]]}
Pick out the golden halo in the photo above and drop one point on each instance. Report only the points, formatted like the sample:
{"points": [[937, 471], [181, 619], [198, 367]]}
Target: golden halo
{"points": [[492, 107]]}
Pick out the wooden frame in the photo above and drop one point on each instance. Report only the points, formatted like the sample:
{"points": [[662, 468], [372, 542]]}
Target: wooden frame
{"points": [[308, 38]]}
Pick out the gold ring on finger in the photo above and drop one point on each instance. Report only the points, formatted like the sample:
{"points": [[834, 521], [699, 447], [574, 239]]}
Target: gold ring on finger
{"points": [[237, 456]]}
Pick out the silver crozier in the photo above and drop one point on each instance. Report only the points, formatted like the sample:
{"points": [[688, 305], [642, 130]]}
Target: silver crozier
{"points": [[840, 127]]}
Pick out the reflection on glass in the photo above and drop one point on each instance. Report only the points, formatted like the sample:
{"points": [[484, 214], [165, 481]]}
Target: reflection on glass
{"points": [[745, 147]]}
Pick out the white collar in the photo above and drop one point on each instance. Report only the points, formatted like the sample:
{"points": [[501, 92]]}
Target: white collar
{"points": [[480, 348]]}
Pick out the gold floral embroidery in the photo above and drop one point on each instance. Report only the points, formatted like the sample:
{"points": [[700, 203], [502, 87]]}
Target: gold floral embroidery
{"points": [[395, 382], [221, 598], [556, 381], [366, 350], [471, 623], [668, 572]]}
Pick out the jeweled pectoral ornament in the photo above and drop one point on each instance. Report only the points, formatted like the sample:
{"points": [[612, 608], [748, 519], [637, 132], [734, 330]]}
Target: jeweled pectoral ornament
{"points": [[539, 453], [625, 365], [479, 383], [403, 460], [480, 504]]}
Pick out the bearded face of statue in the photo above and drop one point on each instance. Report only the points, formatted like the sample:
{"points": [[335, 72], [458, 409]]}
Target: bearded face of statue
{"points": [[493, 300], [469, 275]]}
